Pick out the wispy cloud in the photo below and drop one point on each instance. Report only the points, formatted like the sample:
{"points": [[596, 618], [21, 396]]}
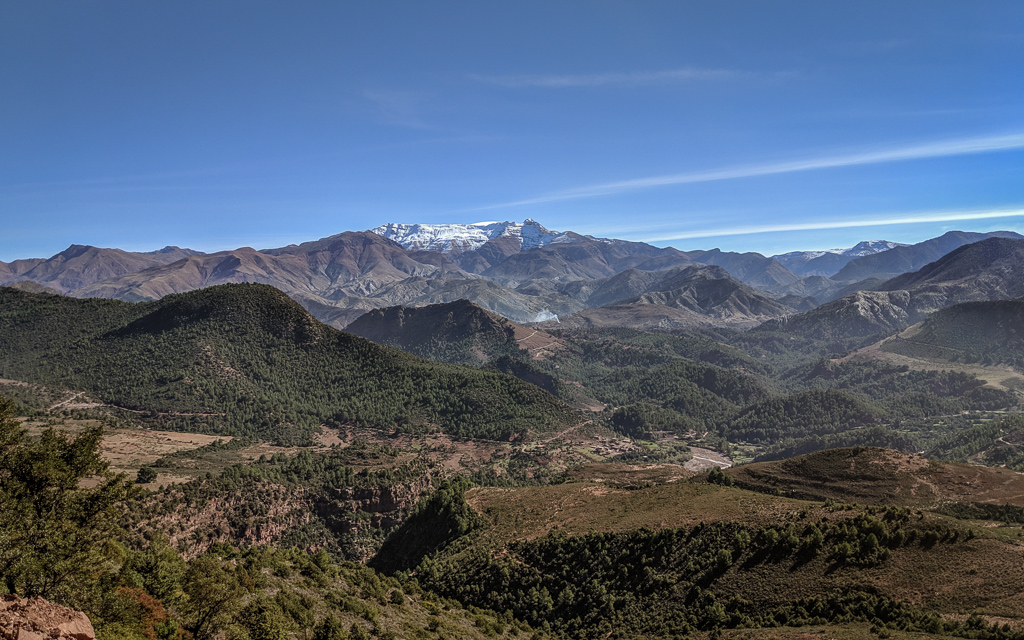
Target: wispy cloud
{"points": [[962, 146], [626, 79], [894, 219], [401, 108]]}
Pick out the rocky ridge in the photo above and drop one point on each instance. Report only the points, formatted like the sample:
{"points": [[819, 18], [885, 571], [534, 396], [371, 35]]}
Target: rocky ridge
{"points": [[39, 619]]}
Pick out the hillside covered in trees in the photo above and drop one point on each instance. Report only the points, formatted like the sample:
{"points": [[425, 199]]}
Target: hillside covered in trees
{"points": [[247, 360]]}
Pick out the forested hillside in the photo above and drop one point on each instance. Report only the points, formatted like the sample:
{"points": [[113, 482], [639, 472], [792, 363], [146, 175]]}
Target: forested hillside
{"points": [[983, 332], [247, 360], [641, 544]]}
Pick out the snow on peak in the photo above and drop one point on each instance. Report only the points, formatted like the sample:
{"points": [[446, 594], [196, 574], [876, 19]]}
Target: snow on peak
{"points": [[865, 248], [869, 247], [454, 238]]}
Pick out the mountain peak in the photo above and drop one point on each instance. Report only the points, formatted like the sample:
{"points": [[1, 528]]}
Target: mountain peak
{"points": [[457, 238], [868, 247]]}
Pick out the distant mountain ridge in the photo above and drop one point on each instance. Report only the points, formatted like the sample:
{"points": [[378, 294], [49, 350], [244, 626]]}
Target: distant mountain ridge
{"points": [[683, 297], [81, 265], [992, 269], [828, 263], [521, 271], [751, 268], [907, 258]]}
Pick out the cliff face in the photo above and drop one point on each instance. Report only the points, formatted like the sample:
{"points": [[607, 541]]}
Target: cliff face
{"points": [[38, 619], [267, 513]]}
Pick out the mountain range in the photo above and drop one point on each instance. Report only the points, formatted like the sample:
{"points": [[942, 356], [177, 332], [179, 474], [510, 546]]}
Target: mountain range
{"points": [[342, 448], [521, 271], [828, 263], [992, 269]]}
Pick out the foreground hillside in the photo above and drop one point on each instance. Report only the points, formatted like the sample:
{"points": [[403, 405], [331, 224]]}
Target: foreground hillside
{"points": [[594, 557], [247, 360], [620, 550], [370, 493], [883, 477], [64, 522]]}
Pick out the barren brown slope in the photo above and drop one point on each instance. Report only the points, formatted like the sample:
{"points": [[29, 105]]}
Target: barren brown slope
{"points": [[583, 260], [12, 271], [358, 263], [691, 296], [751, 268], [79, 266], [859, 314], [345, 264], [196, 272], [881, 476]]}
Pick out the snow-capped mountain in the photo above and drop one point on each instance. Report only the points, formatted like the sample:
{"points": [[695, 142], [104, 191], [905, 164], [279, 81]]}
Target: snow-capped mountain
{"points": [[858, 250], [829, 262], [868, 247], [455, 238]]}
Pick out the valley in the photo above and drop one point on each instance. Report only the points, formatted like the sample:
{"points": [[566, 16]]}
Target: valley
{"points": [[686, 451]]}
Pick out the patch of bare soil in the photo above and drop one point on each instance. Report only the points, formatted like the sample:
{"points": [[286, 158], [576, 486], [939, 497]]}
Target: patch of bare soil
{"points": [[610, 447], [706, 459], [128, 449], [902, 461], [631, 475], [539, 344], [77, 400], [328, 437], [998, 377], [132, 448]]}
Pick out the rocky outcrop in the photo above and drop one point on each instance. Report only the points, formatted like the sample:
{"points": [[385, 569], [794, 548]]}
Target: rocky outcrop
{"points": [[38, 619], [861, 314]]}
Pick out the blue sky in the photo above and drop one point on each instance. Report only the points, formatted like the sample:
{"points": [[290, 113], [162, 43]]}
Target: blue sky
{"points": [[763, 126]]}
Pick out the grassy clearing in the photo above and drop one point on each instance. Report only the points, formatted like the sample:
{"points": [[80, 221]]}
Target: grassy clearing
{"points": [[576, 508], [882, 476], [996, 376], [831, 632]]}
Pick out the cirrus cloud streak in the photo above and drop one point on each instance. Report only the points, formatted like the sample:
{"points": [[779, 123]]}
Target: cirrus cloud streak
{"points": [[627, 79], [935, 216], [944, 148]]}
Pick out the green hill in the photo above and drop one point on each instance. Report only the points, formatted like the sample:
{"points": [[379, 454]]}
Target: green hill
{"points": [[815, 412], [985, 332], [458, 332], [247, 360]]}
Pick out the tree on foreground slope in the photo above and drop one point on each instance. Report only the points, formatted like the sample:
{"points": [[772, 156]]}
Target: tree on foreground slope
{"points": [[52, 529]]}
